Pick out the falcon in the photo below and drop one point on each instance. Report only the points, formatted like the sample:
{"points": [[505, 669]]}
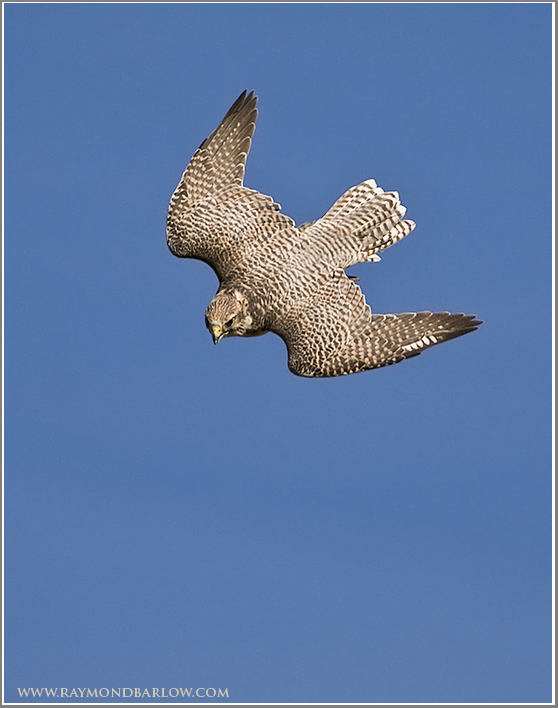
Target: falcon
{"points": [[275, 277]]}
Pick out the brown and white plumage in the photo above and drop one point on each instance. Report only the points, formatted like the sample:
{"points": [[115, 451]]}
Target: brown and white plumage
{"points": [[275, 277]]}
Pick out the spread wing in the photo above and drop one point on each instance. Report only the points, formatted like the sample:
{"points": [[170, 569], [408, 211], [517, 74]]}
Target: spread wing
{"points": [[335, 332], [211, 215]]}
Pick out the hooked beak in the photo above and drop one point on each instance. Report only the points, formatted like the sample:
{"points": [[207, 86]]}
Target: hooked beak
{"points": [[217, 334]]}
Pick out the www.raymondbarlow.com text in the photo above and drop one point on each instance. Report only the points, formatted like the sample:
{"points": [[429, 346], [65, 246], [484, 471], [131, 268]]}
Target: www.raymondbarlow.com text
{"points": [[123, 692]]}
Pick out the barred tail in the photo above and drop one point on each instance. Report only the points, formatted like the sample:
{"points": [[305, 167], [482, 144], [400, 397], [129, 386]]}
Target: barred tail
{"points": [[363, 222]]}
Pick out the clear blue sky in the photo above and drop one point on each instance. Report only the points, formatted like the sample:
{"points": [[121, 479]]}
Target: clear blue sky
{"points": [[185, 515]]}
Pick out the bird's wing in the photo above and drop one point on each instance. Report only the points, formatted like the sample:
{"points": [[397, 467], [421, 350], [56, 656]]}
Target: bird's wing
{"points": [[220, 159], [335, 333], [211, 215]]}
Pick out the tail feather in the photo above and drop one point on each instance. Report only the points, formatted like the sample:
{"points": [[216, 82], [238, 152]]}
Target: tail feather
{"points": [[362, 222], [402, 229]]}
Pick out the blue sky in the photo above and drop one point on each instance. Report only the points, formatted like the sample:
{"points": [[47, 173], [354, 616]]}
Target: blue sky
{"points": [[184, 515]]}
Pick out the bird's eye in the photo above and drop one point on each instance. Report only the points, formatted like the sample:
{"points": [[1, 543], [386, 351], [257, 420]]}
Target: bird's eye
{"points": [[229, 323]]}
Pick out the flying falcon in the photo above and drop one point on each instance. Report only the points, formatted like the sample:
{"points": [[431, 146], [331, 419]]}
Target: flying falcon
{"points": [[275, 277]]}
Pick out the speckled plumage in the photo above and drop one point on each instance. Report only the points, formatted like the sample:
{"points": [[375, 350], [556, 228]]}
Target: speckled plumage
{"points": [[275, 277]]}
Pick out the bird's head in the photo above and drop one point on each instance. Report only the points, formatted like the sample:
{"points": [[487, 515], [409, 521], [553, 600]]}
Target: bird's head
{"points": [[226, 316]]}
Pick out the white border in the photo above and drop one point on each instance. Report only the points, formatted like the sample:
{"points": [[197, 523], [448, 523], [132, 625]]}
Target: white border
{"points": [[224, 702]]}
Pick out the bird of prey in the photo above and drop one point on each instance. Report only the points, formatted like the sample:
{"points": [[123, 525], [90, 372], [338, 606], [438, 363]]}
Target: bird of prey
{"points": [[275, 277]]}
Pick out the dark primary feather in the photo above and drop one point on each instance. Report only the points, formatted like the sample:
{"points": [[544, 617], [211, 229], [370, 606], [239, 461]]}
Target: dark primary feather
{"points": [[220, 159]]}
